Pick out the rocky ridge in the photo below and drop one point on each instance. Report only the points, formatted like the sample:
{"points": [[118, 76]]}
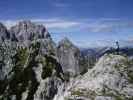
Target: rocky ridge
{"points": [[26, 30], [33, 67], [110, 79], [29, 66], [69, 57]]}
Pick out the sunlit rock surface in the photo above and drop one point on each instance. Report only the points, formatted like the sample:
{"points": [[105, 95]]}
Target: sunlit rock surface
{"points": [[4, 34], [33, 67], [29, 69], [69, 57], [110, 79], [26, 30]]}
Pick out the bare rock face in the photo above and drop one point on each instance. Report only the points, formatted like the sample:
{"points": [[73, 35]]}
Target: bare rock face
{"points": [[110, 79], [4, 34], [29, 69], [26, 30], [27, 74], [69, 57]]}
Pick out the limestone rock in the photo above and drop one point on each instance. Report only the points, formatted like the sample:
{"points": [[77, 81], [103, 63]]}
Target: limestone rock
{"points": [[69, 57], [4, 34], [26, 30], [110, 79]]}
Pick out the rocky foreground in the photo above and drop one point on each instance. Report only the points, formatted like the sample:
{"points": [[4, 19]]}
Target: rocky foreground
{"points": [[33, 67], [110, 79]]}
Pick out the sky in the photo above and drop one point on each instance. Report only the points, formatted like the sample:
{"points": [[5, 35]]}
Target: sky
{"points": [[85, 22]]}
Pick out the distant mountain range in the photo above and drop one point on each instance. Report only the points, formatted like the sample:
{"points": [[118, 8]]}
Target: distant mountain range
{"points": [[98, 52]]}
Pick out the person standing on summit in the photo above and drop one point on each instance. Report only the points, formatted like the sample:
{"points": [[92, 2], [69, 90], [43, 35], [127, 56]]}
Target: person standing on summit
{"points": [[117, 48]]}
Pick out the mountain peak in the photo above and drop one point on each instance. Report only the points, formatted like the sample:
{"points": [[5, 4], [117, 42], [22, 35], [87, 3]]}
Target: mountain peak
{"points": [[27, 30], [1, 25], [24, 22], [69, 57], [66, 41], [3, 32]]}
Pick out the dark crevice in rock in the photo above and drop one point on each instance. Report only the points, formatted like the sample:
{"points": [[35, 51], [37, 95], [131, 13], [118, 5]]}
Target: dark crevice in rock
{"points": [[22, 76], [51, 64]]}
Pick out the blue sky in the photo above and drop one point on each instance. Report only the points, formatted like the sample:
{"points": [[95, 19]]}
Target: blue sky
{"points": [[85, 22]]}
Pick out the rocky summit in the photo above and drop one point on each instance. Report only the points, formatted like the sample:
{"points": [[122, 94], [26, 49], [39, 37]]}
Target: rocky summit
{"points": [[31, 67], [110, 79], [26, 30], [34, 67], [69, 57]]}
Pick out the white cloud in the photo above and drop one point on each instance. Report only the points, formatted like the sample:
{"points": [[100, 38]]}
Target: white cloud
{"points": [[46, 20], [52, 23], [60, 25], [9, 23], [95, 43], [109, 25], [57, 23], [90, 25]]}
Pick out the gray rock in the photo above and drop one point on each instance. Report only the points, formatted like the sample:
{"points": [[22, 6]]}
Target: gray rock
{"points": [[28, 74], [4, 34], [69, 57], [28, 66], [26, 30], [110, 79]]}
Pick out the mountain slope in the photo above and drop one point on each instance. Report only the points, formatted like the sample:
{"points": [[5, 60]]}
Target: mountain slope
{"points": [[110, 79], [69, 57], [30, 68]]}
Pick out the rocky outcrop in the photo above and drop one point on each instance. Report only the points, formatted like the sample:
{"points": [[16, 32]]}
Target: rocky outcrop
{"points": [[30, 75], [110, 79], [29, 69], [26, 30], [4, 34], [69, 57]]}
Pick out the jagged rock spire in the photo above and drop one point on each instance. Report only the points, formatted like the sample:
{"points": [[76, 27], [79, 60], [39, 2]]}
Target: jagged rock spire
{"points": [[65, 41], [4, 34], [27, 30], [69, 56]]}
